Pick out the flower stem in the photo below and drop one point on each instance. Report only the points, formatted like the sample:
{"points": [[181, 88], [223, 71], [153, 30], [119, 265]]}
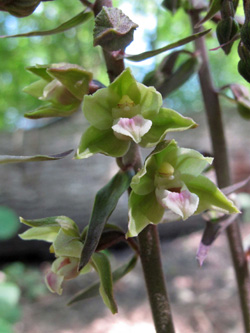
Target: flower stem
{"points": [[221, 163], [154, 278]]}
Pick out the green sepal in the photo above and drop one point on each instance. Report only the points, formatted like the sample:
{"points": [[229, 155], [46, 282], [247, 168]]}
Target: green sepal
{"points": [[165, 121], [95, 141], [36, 88], [47, 234], [50, 110], [63, 222], [210, 197], [41, 71], [93, 290], [143, 210], [73, 77], [105, 203], [97, 108], [67, 245], [102, 266], [37, 158]]}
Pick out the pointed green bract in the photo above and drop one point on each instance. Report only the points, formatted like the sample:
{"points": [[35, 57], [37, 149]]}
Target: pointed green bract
{"points": [[171, 179], [105, 202]]}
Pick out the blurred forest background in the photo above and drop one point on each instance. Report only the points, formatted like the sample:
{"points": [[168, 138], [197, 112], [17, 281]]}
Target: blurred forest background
{"points": [[68, 187]]}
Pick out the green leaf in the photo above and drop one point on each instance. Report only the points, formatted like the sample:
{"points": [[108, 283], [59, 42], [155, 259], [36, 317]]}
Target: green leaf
{"points": [[149, 54], [213, 9], [95, 141], [105, 202], [50, 110], [9, 223], [93, 290], [113, 29], [21, 159], [64, 222], [75, 21], [102, 266], [210, 196], [165, 121]]}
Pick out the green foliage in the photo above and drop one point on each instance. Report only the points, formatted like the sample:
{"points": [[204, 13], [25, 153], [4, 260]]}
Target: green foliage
{"points": [[9, 224]]}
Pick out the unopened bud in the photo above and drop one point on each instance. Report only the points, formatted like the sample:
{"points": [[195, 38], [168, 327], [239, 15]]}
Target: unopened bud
{"points": [[226, 30]]}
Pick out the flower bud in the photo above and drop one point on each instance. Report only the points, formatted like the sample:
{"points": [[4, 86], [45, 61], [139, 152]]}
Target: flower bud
{"points": [[245, 35], [19, 8], [244, 69], [226, 29]]}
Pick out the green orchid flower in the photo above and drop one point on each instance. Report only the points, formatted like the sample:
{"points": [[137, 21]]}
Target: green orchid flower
{"points": [[126, 111], [67, 245], [171, 180], [61, 85]]}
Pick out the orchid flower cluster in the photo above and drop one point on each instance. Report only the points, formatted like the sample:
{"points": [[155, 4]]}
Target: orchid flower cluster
{"points": [[171, 179]]}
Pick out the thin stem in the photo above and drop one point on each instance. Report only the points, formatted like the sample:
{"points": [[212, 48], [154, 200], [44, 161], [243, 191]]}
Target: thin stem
{"points": [[154, 278], [221, 163]]}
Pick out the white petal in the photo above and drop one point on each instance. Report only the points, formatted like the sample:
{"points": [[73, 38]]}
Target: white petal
{"points": [[183, 204], [133, 128]]}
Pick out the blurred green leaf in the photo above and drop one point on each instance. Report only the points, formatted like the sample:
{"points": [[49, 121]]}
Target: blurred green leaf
{"points": [[75, 21], [149, 54], [9, 297], [105, 202], [9, 223], [21, 159]]}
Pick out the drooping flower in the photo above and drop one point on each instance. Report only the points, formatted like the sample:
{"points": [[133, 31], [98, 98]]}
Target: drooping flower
{"points": [[171, 180], [64, 235], [126, 111], [61, 85]]}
